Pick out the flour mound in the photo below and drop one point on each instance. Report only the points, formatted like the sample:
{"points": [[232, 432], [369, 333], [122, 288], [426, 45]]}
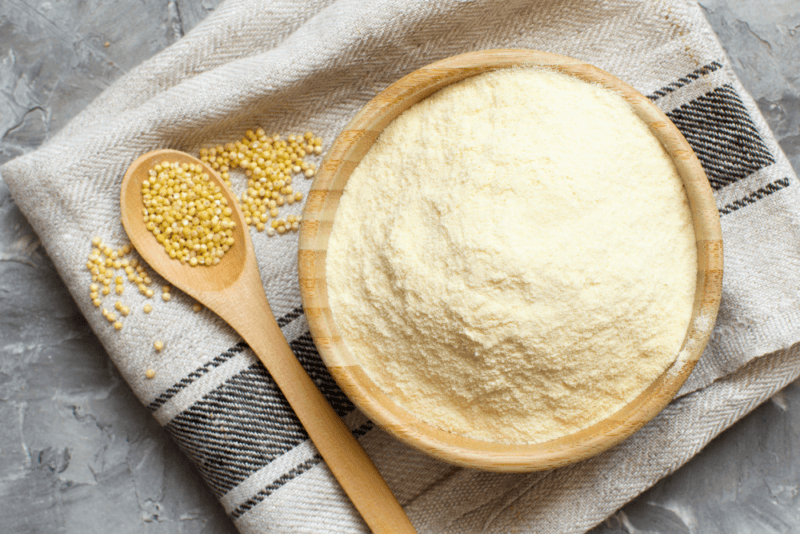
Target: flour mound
{"points": [[514, 259]]}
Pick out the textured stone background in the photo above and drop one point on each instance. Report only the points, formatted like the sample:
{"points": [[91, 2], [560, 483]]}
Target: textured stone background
{"points": [[80, 455]]}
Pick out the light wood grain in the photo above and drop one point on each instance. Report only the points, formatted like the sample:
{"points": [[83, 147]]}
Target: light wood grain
{"points": [[233, 290], [320, 210]]}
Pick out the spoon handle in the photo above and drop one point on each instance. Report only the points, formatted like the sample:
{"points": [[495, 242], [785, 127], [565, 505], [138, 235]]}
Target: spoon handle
{"points": [[248, 312]]}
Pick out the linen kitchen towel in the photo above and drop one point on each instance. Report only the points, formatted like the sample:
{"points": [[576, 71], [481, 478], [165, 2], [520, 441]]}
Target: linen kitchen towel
{"points": [[295, 65]]}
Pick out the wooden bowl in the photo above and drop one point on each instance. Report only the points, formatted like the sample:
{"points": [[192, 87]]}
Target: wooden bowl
{"points": [[323, 200]]}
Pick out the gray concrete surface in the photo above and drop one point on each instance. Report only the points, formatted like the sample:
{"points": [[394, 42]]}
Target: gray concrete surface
{"points": [[79, 454]]}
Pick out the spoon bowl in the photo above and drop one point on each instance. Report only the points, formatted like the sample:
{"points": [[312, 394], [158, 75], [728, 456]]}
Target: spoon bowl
{"points": [[194, 281], [234, 291]]}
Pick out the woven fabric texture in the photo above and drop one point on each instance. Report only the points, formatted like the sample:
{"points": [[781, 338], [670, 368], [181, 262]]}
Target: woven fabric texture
{"points": [[290, 66]]}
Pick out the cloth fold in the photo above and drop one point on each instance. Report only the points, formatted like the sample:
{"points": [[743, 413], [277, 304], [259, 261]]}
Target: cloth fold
{"points": [[290, 66]]}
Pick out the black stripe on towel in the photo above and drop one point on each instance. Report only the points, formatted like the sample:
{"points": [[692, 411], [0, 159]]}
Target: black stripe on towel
{"points": [[236, 429], [275, 485], [245, 423], [216, 362], [194, 375], [293, 473], [723, 136], [289, 317], [686, 80], [760, 193], [305, 351]]}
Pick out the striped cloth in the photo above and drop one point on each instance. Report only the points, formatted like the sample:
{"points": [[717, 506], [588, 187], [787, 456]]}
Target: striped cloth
{"points": [[292, 65]]}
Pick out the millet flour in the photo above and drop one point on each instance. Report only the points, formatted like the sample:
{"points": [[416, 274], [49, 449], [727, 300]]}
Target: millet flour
{"points": [[514, 259]]}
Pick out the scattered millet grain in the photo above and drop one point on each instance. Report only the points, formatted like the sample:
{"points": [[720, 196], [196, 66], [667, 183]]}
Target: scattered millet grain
{"points": [[103, 263], [269, 163]]}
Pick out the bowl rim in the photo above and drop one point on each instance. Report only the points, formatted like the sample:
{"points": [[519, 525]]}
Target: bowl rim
{"points": [[345, 153]]}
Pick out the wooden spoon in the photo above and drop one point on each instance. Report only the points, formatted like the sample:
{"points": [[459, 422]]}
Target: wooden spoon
{"points": [[233, 290]]}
